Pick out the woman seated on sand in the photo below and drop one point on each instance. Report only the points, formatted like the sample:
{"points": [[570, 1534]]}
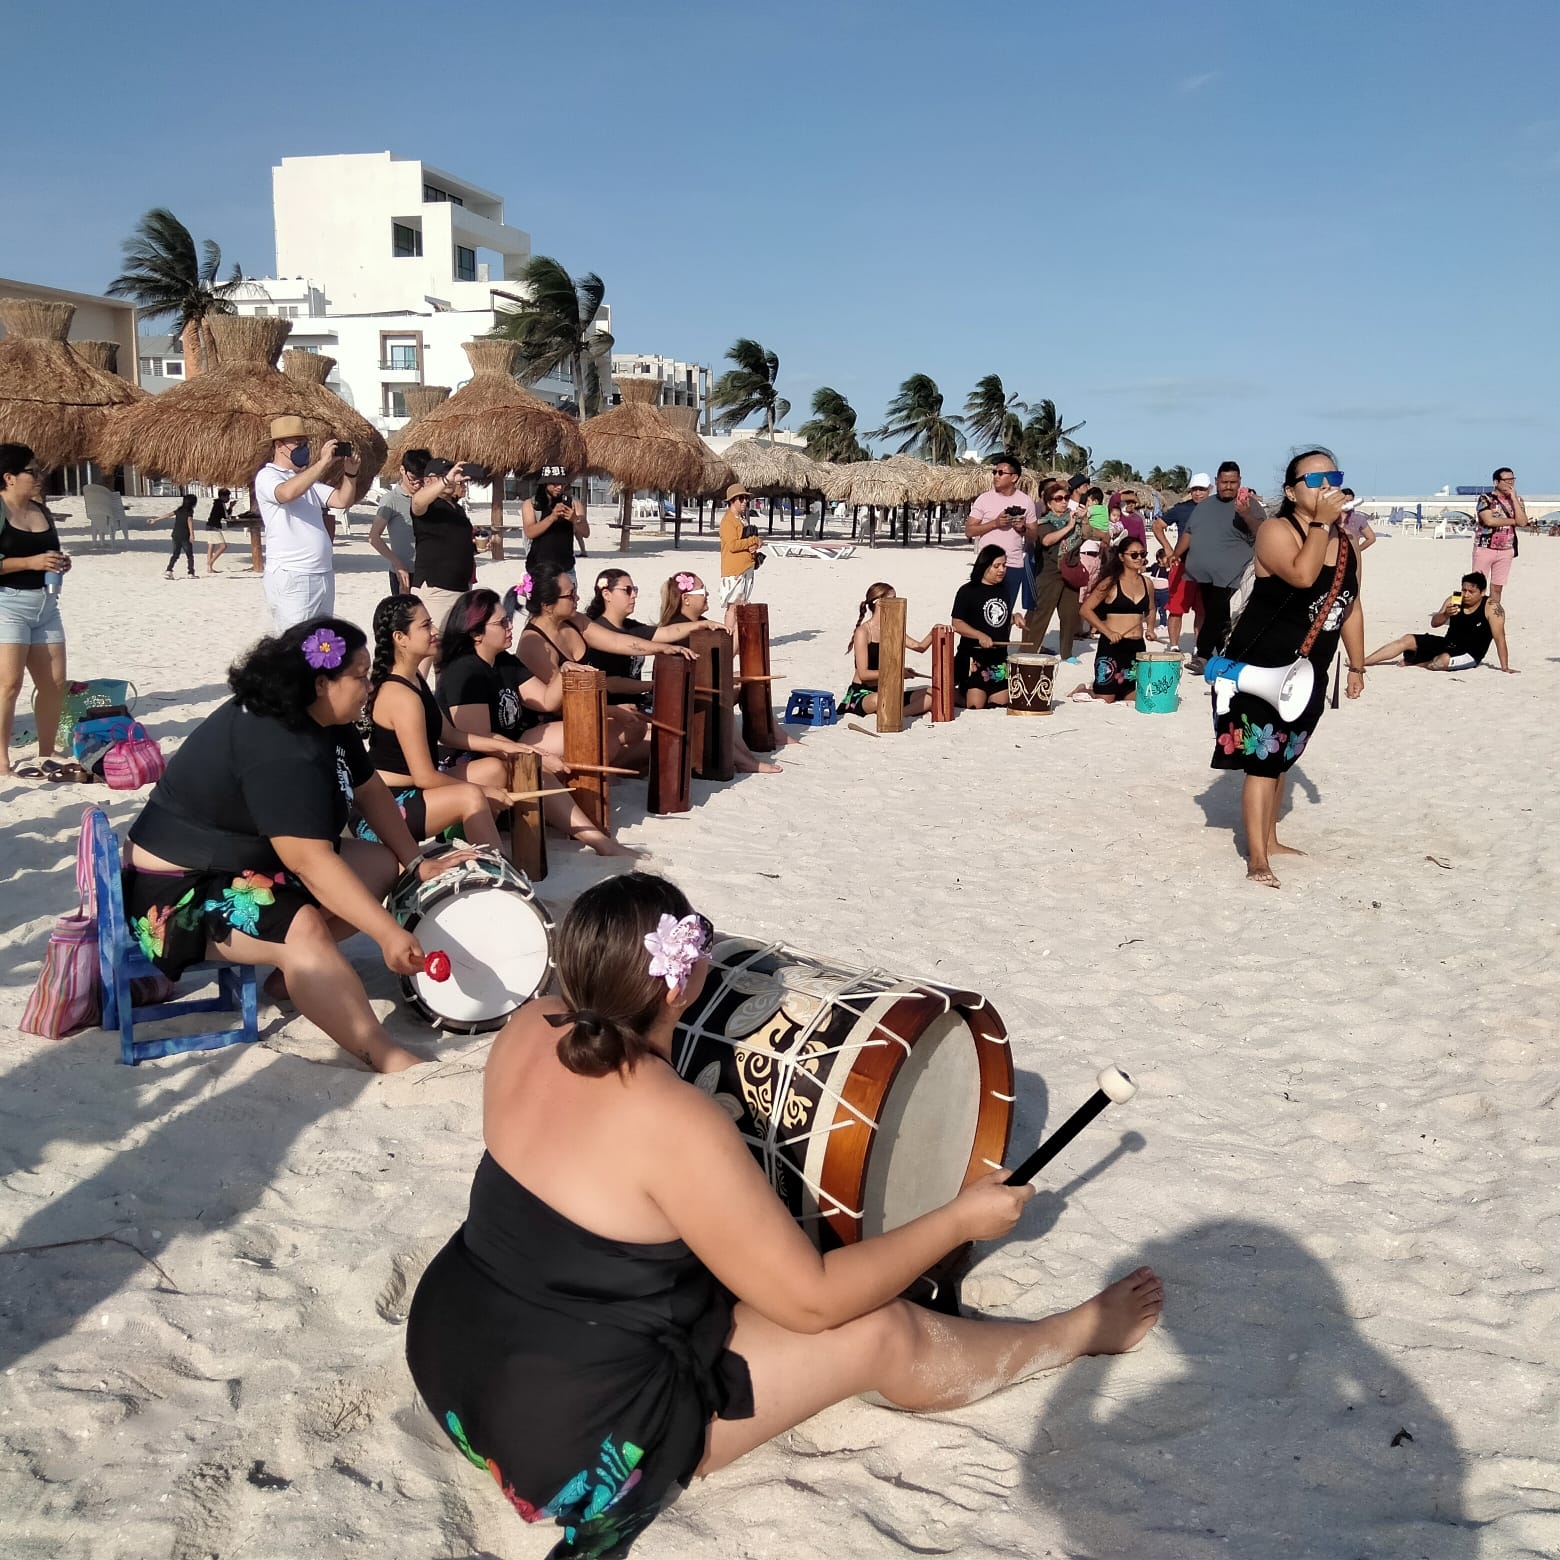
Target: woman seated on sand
{"points": [[615, 597], [1120, 609], [578, 1336], [861, 697], [684, 601], [981, 617], [407, 728], [238, 853], [487, 691]]}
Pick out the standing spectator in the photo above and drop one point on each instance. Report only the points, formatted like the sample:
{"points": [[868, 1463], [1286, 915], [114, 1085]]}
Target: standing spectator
{"points": [[391, 535], [1501, 515], [1004, 517], [1216, 544], [183, 542], [444, 543], [32, 636], [1051, 532], [1131, 522], [216, 535], [1184, 595], [739, 549], [292, 491], [553, 521], [1357, 523]]}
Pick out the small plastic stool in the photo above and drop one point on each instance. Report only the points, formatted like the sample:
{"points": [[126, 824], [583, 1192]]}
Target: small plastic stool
{"points": [[810, 707]]}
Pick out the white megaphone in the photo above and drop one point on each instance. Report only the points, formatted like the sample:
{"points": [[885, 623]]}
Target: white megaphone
{"points": [[1286, 688]]}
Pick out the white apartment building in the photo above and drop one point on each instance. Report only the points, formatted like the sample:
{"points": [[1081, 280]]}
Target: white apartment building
{"points": [[682, 384]]}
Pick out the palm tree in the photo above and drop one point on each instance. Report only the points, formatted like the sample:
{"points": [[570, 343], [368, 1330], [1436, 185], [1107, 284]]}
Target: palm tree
{"points": [[1117, 471], [556, 328], [993, 416], [915, 416], [749, 389], [1046, 436], [164, 276], [831, 432], [1175, 480]]}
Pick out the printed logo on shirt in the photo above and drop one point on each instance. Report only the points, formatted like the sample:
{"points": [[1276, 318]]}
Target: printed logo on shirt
{"points": [[995, 612], [1335, 616], [508, 709], [343, 775]]}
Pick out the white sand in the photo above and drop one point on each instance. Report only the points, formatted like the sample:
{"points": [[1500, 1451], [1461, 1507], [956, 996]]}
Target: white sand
{"points": [[1341, 1160]]}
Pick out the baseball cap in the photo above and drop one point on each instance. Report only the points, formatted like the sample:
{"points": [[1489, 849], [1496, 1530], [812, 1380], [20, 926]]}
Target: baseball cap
{"points": [[1200, 479]]}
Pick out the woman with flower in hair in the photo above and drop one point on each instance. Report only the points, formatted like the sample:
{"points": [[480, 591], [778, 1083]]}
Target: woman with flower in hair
{"points": [[861, 697], [629, 1305], [611, 607], [238, 853]]}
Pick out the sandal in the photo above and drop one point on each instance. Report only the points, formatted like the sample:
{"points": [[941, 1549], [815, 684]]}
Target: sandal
{"points": [[27, 772], [67, 774]]}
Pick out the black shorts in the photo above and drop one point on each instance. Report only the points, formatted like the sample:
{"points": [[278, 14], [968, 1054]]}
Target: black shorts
{"points": [[1426, 648], [173, 915]]}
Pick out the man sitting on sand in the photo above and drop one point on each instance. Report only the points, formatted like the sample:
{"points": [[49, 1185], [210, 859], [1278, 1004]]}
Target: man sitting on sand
{"points": [[1469, 633]]}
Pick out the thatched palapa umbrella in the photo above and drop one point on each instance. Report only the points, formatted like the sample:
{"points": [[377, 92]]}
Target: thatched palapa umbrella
{"points": [[421, 399], [216, 428], [309, 368], [493, 422], [640, 450], [717, 476], [104, 356], [51, 398]]}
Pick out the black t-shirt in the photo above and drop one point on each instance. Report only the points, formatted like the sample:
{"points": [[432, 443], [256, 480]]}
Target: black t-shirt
{"points": [[1469, 633], [984, 607], [618, 663], [553, 550], [240, 781], [470, 680], [446, 555]]}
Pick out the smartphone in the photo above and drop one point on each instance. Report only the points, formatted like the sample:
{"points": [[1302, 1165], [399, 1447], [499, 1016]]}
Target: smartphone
{"points": [[343, 449], [472, 471], [1243, 495], [438, 468]]}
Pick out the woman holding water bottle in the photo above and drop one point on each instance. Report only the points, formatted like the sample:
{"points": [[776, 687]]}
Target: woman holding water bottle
{"points": [[32, 636]]}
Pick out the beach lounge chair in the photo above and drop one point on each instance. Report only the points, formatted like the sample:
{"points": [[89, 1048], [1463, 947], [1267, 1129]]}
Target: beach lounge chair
{"points": [[827, 550]]}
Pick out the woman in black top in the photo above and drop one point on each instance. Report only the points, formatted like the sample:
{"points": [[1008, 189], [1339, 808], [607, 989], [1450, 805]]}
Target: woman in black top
{"points": [[444, 546], [32, 635], [238, 852], [628, 1304], [183, 541], [981, 615], [552, 521], [1298, 553], [406, 728], [1120, 609], [216, 536], [615, 597]]}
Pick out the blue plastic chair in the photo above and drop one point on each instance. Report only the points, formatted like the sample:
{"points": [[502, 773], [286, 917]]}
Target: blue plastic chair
{"points": [[120, 961], [810, 707]]}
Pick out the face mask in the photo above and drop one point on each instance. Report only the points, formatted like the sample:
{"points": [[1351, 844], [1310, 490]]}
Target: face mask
{"points": [[299, 456]]}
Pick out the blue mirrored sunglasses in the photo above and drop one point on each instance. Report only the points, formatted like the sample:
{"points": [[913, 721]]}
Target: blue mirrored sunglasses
{"points": [[1316, 479]]}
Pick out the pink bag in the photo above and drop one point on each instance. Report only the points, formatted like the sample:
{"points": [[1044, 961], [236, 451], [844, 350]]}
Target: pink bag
{"points": [[135, 762], [68, 995]]}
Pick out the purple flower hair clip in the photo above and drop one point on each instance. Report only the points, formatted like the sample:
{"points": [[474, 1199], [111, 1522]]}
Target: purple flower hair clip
{"points": [[526, 586], [687, 582], [324, 650], [676, 946]]}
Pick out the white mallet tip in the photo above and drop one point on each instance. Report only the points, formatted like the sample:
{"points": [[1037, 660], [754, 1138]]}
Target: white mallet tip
{"points": [[1117, 1086]]}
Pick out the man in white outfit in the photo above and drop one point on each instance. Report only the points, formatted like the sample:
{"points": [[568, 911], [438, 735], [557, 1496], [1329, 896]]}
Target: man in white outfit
{"points": [[293, 492]]}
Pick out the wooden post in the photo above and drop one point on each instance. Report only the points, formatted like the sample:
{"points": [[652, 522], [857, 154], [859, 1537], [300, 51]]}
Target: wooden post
{"points": [[677, 524], [627, 521], [891, 664], [671, 730], [585, 741], [942, 674], [758, 707], [256, 550], [712, 735], [527, 830], [496, 519]]}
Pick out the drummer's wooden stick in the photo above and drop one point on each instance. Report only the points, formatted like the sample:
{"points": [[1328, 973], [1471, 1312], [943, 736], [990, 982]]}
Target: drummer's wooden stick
{"points": [[531, 796], [1116, 1088], [601, 769]]}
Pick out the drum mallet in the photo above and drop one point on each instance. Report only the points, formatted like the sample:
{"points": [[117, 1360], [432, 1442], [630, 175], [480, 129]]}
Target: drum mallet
{"points": [[1115, 1088], [437, 965]]}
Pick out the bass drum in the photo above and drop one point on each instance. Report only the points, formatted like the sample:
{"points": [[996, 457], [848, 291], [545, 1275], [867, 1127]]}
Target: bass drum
{"points": [[485, 915], [867, 1100]]}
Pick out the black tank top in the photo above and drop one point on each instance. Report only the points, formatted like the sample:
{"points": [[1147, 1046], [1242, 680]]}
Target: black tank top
{"points": [[17, 543], [1469, 633], [553, 550], [1122, 603], [384, 746]]}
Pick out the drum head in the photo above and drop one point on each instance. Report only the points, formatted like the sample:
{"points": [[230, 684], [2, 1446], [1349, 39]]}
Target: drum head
{"points": [[500, 956], [921, 1150]]}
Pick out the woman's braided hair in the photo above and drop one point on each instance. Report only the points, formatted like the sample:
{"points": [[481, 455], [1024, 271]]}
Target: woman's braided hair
{"points": [[392, 616]]}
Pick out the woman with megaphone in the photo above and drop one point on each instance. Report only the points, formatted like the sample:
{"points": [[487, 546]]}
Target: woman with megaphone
{"points": [[1270, 685]]}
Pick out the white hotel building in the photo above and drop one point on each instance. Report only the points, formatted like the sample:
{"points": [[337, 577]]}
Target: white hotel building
{"points": [[387, 265]]}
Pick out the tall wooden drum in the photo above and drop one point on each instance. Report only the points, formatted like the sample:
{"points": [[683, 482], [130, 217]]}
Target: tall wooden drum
{"points": [[867, 1100], [1031, 682]]}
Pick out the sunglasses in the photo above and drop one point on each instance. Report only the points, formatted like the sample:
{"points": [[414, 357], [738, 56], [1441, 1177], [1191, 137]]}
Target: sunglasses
{"points": [[698, 591], [1318, 479], [632, 590], [568, 595], [1139, 555]]}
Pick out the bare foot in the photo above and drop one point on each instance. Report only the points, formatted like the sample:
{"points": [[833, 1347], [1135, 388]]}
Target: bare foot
{"points": [[765, 768], [394, 1059], [604, 844], [1266, 876], [1275, 849], [1117, 1318]]}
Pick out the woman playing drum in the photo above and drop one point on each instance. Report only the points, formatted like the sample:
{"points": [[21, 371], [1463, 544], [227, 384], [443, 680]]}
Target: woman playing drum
{"points": [[611, 607], [981, 616], [1120, 609], [577, 1336], [238, 852], [861, 697]]}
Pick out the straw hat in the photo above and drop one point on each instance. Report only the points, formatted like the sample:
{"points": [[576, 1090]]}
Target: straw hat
{"points": [[288, 428]]}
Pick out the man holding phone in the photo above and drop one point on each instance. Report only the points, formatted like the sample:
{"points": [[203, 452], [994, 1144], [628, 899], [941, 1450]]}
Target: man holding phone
{"points": [[553, 522], [445, 548], [293, 490], [1004, 517]]}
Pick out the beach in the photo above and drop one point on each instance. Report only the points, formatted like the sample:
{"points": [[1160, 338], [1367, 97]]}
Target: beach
{"points": [[1341, 1159]]}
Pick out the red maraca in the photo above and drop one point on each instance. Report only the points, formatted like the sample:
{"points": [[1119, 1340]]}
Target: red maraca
{"points": [[437, 965]]}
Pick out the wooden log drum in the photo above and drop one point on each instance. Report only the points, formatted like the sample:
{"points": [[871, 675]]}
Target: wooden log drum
{"points": [[527, 829], [942, 674], [585, 742], [891, 664], [714, 732], [759, 730], [671, 726]]}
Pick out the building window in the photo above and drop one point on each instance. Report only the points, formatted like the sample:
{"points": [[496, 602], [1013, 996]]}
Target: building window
{"points": [[433, 194], [151, 368], [406, 242], [261, 309], [465, 264], [394, 401], [173, 368], [288, 311], [401, 354]]}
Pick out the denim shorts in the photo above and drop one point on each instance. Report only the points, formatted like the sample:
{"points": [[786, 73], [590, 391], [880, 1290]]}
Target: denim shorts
{"points": [[30, 617]]}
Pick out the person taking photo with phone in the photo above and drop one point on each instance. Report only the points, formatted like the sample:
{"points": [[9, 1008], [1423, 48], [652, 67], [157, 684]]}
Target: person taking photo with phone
{"points": [[1216, 543], [554, 522], [1004, 517], [446, 549]]}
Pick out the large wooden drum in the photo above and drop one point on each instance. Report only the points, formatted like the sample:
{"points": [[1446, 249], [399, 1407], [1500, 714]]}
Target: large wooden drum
{"points": [[868, 1100], [1031, 680]]}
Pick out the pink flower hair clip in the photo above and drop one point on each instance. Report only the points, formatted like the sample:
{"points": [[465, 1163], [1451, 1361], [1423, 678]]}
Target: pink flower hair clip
{"points": [[676, 946], [525, 587], [323, 650], [686, 582]]}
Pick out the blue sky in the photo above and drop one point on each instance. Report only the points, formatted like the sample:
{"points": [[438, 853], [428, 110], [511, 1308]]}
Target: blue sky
{"points": [[1212, 230]]}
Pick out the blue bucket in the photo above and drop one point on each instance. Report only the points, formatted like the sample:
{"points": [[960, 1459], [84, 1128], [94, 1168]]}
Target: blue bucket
{"points": [[1158, 682]]}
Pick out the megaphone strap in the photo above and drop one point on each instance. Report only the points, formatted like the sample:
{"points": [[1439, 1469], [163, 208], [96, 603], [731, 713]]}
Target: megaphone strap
{"points": [[1332, 595]]}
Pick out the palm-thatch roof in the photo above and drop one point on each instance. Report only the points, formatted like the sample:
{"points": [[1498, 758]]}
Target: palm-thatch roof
{"points": [[421, 399], [638, 448], [717, 475], [51, 398], [491, 421], [776, 469], [923, 479], [103, 355], [310, 368], [870, 482], [216, 427]]}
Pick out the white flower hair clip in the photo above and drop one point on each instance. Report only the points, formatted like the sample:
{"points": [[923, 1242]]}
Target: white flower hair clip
{"points": [[676, 946]]}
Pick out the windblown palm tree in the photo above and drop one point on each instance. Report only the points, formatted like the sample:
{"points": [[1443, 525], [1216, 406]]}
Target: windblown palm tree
{"points": [[556, 328], [831, 432], [916, 417], [1175, 480], [1048, 441], [164, 276], [749, 389], [1117, 471], [993, 416]]}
